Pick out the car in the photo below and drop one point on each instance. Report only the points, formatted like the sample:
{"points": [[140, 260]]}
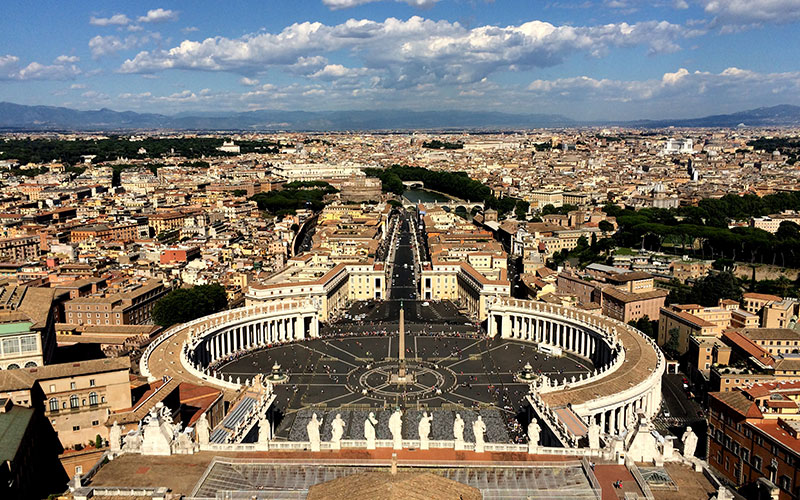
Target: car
{"points": [[426, 304]]}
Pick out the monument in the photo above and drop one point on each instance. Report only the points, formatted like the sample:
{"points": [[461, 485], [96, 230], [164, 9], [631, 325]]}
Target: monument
{"points": [[312, 428], [402, 376], [337, 431], [478, 428], [534, 437], [689, 440], [264, 430], [424, 429], [201, 430], [396, 428], [369, 430], [458, 432], [115, 438]]}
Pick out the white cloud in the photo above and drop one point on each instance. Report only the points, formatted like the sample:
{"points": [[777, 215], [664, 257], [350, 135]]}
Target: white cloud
{"points": [[76, 86], [733, 15], [67, 59], [190, 29], [7, 62], [37, 71], [249, 82], [684, 89], [413, 51], [62, 70], [347, 4], [108, 45], [115, 20], [159, 16]]}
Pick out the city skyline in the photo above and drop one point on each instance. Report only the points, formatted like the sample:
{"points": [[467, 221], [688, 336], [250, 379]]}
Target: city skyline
{"points": [[616, 60]]}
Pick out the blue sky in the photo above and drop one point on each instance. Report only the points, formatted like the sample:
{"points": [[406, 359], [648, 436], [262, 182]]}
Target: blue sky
{"points": [[593, 59]]}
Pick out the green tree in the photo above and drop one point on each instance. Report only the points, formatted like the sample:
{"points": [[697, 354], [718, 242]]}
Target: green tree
{"points": [[673, 343], [605, 226], [185, 304], [98, 441]]}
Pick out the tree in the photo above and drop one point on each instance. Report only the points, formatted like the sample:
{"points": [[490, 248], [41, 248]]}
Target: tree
{"points": [[185, 304], [673, 343], [646, 326], [605, 226], [788, 230], [98, 441]]}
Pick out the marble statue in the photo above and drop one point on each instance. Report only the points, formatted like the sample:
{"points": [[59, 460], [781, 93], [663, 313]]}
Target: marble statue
{"points": [[594, 436], [312, 428], [158, 432], [369, 430], [478, 428], [264, 430], [202, 431], [424, 429], [396, 428], [132, 442], [115, 438], [337, 431], [534, 431], [458, 432], [689, 440]]}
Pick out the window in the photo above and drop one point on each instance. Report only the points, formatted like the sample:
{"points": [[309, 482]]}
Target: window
{"points": [[52, 387], [93, 398], [745, 455], [72, 385], [78, 469], [785, 483], [91, 382], [53, 404], [757, 462], [76, 427], [73, 401], [95, 422]]}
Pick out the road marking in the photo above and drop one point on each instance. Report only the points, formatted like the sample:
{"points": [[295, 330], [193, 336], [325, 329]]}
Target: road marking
{"points": [[323, 354]]}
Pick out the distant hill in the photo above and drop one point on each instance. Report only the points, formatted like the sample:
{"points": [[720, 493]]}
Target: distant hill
{"points": [[20, 117], [783, 115]]}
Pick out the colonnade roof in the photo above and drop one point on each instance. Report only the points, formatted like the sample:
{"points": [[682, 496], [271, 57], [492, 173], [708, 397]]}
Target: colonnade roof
{"points": [[640, 360]]}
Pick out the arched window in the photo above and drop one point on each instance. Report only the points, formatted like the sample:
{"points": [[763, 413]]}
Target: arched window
{"points": [[13, 366], [53, 404], [92, 398], [30, 364], [73, 401]]}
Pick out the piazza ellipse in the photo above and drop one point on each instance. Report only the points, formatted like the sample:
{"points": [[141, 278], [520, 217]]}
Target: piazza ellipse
{"points": [[609, 402]]}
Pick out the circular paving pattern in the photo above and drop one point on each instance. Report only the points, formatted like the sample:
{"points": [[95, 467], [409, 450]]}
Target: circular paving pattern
{"points": [[425, 380]]}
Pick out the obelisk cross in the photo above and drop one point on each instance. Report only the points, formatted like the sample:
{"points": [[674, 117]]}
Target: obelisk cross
{"points": [[401, 373]]}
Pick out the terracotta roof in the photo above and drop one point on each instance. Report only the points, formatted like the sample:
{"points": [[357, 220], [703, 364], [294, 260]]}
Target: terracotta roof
{"points": [[761, 296], [748, 346], [24, 378], [738, 402]]}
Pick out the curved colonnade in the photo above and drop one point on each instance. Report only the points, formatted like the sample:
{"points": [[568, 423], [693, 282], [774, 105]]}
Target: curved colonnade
{"points": [[628, 365], [211, 340]]}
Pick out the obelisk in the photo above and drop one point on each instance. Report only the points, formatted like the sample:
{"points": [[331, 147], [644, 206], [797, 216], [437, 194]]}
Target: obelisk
{"points": [[401, 373]]}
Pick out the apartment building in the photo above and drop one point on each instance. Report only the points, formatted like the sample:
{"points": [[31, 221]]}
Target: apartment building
{"points": [[132, 305], [77, 398], [753, 438], [27, 326], [20, 249]]}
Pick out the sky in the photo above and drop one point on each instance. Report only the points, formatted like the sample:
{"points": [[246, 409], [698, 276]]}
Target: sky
{"points": [[586, 60]]}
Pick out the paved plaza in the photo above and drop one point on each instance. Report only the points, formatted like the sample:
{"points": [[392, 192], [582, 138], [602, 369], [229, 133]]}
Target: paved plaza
{"points": [[453, 371]]}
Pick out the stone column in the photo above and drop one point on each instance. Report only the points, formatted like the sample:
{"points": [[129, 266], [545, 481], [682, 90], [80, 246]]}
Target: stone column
{"points": [[506, 328]]}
